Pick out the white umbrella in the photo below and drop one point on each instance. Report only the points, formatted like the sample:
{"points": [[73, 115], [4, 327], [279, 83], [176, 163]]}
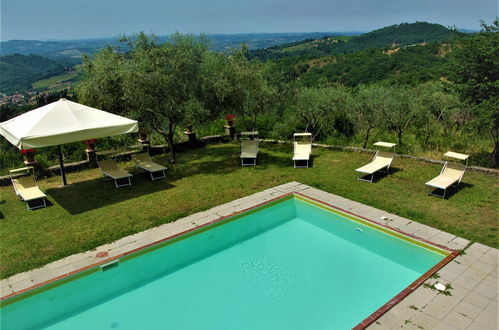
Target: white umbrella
{"points": [[63, 122]]}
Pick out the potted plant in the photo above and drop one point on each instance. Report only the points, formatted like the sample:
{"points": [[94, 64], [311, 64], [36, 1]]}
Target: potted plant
{"points": [[29, 155], [90, 145], [229, 119]]}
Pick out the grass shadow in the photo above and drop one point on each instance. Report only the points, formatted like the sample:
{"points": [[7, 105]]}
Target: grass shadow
{"points": [[452, 190], [378, 176], [97, 193], [224, 159], [267, 159]]}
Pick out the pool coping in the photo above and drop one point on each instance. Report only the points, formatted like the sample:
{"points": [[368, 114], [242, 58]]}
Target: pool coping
{"points": [[20, 284]]}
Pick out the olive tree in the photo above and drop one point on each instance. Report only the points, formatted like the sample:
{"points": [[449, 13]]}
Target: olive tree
{"points": [[101, 85], [368, 105], [400, 110], [436, 108], [319, 107], [162, 82], [234, 84], [156, 83]]}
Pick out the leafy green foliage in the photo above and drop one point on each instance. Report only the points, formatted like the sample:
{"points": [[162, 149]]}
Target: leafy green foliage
{"points": [[475, 72]]}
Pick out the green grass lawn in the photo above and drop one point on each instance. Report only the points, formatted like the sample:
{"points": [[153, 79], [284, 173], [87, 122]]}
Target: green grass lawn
{"points": [[54, 81], [90, 211]]}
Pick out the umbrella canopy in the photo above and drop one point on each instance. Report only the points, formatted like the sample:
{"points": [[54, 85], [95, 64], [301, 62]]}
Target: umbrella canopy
{"points": [[63, 122]]}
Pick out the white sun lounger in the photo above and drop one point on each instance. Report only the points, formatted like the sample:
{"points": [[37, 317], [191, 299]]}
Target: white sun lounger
{"points": [[249, 148], [381, 161], [144, 162], [450, 174], [110, 169], [302, 149], [27, 189]]}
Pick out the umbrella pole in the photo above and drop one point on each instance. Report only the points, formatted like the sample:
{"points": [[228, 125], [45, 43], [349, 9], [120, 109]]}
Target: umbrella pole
{"points": [[61, 163]]}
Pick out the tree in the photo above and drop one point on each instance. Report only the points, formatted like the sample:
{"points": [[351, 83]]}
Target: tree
{"points": [[400, 110], [101, 85], [368, 104], [319, 107], [163, 82], [435, 108], [474, 73], [159, 84], [234, 84]]}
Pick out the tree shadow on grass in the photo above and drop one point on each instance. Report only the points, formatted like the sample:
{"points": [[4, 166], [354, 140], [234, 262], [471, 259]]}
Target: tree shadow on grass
{"points": [[267, 159], [378, 176], [94, 194], [452, 190], [221, 160]]}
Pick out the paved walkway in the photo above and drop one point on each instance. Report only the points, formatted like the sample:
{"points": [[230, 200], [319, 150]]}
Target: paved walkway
{"points": [[473, 276]]}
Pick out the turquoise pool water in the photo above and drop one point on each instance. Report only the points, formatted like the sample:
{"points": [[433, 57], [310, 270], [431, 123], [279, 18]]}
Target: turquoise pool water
{"points": [[291, 265]]}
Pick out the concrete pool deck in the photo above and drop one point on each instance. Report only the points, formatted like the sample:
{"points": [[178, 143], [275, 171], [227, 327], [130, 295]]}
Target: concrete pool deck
{"points": [[473, 276]]}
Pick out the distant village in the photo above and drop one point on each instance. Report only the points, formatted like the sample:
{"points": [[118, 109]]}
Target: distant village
{"points": [[18, 99], [31, 97]]}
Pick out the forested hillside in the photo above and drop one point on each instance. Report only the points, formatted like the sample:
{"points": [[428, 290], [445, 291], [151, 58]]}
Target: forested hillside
{"points": [[411, 65], [18, 71], [390, 37]]}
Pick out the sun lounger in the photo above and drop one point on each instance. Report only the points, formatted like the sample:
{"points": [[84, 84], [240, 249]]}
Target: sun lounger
{"points": [[27, 189], [381, 161], [450, 174], [302, 149], [144, 162], [249, 148], [110, 169]]}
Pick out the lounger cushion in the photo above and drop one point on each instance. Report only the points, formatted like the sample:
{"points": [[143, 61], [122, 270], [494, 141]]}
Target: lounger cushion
{"points": [[27, 188], [382, 160], [30, 194], [302, 151], [249, 148], [450, 175], [441, 182], [110, 168], [145, 162]]}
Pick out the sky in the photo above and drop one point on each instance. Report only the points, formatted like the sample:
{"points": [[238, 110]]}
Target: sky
{"points": [[82, 19]]}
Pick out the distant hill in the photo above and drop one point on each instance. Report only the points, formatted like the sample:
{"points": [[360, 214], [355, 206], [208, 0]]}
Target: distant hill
{"points": [[54, 49], [18, 72], [347, 58], [390, 37], [73, 49]]}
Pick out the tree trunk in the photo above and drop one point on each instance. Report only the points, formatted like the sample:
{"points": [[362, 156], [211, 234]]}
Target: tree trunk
{"points": [[495, 154], [171, 129], [427, 138], [366, 138], [399, 133], [253, 122]]}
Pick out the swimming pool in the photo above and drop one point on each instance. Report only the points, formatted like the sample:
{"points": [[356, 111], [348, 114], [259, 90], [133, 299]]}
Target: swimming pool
{"points": [[293, 263]]}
